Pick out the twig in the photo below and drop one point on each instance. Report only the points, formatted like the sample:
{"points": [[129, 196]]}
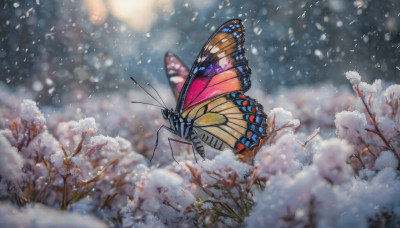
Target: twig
{"points": [[377, 130]]}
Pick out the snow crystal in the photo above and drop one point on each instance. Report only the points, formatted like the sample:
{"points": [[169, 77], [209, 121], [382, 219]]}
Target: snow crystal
{"points": [[386, 159], [31, 113], [85, 125], [282, 117], [350, 125], [285, 197], [58, 159], [280, 157], [331, 161], [124, 145], [45, 144], [392, 93], [353, 76], [169, 184], [11, 161], [368, 88], [111, 146], [387, 126], [225, 160]]}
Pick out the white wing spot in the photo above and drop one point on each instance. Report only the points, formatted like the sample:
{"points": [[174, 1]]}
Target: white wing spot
{"points": [[220, 55], [223, 62], [201, 59], [176, 79], [224, 40], [214, 49]]}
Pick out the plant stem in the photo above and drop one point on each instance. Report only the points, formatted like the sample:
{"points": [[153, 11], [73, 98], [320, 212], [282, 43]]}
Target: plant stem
{"points": [[64, 195], [378, 131]]}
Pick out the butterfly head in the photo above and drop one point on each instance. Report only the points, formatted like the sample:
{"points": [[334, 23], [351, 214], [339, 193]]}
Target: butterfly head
{"points": [[166, 113]]}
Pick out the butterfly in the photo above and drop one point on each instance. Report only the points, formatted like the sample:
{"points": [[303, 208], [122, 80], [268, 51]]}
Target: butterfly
{"points": [[211, 105]]}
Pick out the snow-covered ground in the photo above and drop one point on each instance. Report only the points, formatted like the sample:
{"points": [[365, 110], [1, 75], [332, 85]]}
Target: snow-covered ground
{"points": [[331, 160]]}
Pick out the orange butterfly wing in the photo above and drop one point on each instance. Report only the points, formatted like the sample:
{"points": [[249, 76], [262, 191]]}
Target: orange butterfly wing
{"points": [[221, 67], [230, 121]]}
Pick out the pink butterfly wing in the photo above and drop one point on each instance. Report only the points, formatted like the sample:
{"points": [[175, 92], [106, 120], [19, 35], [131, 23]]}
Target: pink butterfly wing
{"points": [[176, 71], [221, 67]]}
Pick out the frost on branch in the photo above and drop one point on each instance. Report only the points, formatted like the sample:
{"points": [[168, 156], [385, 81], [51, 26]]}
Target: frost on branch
{"points": [[351, 126], [375, 127], [392, 95], [31, 115], [353, 76]]}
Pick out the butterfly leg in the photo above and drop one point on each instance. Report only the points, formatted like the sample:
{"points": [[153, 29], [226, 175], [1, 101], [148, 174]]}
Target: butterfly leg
{"points": [[183, 142], [155, 147]]}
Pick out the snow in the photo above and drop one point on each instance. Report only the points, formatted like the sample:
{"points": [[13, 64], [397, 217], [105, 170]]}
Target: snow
{"points": [[31, 114], [337, 177], [386, 159], [282, 117], [41, 216], [331, 161], [370, 88], [349, 125], [388, 126], [353, 76], [280, 158], [70, 141], [392, 94], [11, 161], [110, 148], [85, 125], [225, 160]]}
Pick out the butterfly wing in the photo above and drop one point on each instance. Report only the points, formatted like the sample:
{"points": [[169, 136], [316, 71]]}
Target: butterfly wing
{"points": [[230, 121], [176, 71], [221, 67]]}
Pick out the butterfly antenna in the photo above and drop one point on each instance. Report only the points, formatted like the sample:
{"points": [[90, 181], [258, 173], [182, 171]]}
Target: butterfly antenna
{"points": [[157, 94], [137, 83], [139, 102]]}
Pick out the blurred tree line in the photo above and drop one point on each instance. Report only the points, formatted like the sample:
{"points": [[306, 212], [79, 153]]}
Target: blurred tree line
{"points": [[82, 47]]}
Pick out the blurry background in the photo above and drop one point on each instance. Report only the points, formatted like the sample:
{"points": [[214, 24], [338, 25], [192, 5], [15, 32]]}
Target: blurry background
{"points": [[68, 50]]}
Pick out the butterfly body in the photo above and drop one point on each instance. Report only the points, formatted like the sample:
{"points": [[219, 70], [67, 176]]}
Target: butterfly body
{"points": [[211, 105], [183, 127]]}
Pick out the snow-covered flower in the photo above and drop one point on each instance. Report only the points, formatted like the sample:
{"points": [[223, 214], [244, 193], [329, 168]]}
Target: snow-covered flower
{"points": [[331, 161], [353, 76], [31, 114], [350, 126], [11, 161], [280, 158]]}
